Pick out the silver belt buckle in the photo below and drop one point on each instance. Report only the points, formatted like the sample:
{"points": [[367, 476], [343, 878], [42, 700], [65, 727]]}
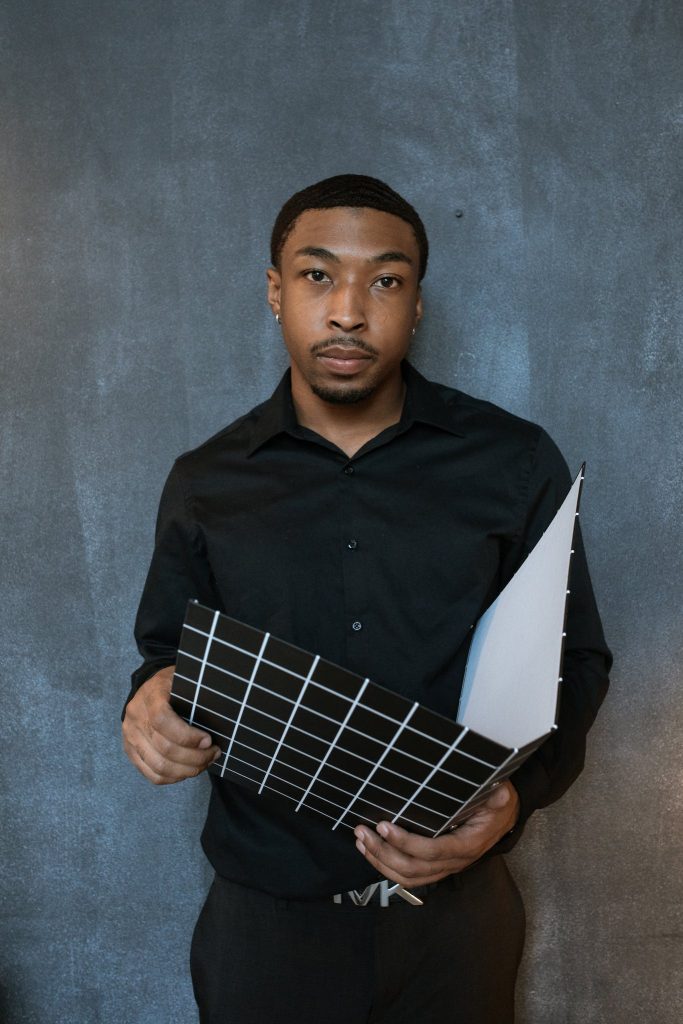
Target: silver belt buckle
{"points": [[386, 889]]}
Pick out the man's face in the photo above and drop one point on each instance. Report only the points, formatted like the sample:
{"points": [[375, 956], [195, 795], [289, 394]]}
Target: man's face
{"points": [[348, 297]]}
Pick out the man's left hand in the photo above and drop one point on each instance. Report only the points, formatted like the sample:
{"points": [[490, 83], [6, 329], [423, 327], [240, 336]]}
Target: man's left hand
{"points": [[417, 860]]}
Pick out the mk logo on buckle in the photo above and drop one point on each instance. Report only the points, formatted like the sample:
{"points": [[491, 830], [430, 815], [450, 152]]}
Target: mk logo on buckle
{"points": [[386, 890]]}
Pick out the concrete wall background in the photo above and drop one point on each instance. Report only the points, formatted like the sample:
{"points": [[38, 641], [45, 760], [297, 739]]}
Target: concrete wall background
{"points": [[144, 151]]}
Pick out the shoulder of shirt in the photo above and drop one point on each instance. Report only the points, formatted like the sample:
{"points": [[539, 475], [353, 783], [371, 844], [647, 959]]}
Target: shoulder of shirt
{"points": [[234, 437], [513, 436], [471, 412], [518, 445]]}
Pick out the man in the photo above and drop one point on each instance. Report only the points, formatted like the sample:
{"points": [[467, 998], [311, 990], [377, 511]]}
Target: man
{"points": [[371, 516]]}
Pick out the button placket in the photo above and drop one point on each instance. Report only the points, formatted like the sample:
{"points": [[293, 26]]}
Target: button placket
{"points": [[352, 571]]}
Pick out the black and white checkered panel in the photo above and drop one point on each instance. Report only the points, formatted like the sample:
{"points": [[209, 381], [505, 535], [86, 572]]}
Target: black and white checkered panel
{"points": [[326, 739]]}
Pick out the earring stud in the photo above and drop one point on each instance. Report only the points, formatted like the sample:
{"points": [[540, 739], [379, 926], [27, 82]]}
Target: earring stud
{"points": [[277, 318]]}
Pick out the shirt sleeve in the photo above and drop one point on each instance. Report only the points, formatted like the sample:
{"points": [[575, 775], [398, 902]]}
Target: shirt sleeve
{"points": [[179, 572], [550, 770]]}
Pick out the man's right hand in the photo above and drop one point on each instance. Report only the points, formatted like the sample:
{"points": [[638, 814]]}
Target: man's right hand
{"points": [[159, 743]]}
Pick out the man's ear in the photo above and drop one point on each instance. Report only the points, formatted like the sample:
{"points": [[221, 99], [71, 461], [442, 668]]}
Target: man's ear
{"points": [[419, 309], [274, 285]]}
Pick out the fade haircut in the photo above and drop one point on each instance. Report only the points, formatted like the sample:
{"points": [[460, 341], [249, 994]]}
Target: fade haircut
{"points": [[356, 190]]}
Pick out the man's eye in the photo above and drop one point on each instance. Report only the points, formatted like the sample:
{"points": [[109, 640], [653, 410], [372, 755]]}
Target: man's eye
{"points": [[388, 282], [316, 275]]}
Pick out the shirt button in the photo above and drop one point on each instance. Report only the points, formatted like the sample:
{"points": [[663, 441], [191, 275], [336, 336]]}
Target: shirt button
{"points": [[349, 470], [352, 545], [356, 626]]}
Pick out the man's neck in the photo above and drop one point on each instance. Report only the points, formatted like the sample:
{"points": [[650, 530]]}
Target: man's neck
{"points": [[349, 426]]}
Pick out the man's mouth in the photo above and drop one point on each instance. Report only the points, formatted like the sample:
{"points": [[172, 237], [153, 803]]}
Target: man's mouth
{"points": [[343, 360]]}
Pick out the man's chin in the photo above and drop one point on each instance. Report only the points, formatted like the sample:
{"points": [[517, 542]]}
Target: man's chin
{"points": [[342, 395]]}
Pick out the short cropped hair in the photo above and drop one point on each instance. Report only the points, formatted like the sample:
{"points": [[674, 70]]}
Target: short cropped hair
{"points": [[356, 190]]}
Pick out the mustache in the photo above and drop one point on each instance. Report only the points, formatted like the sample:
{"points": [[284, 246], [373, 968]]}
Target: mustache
{"points": [[343, 341]]}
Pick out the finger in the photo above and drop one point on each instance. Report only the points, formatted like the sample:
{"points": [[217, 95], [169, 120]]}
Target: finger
{"points": [[167, 760], [191, 757], [150, 709], [412, 878], [414, 854], [164, 721], [153, 717], [167, 770], [144, 769], [391, 858], [421, 847]]}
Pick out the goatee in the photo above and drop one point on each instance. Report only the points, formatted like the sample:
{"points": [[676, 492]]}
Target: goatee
{"points": [[343, 396]]}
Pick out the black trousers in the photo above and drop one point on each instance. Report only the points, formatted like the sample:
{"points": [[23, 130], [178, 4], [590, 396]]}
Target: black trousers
{"points": [[257, 959]]}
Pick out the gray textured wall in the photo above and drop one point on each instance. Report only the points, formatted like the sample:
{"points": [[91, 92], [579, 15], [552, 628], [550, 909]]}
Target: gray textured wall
{"points": [[144, 150]]}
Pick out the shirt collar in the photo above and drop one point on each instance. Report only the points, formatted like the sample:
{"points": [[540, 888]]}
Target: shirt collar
{"points": [[425, 402], [275, 416]]}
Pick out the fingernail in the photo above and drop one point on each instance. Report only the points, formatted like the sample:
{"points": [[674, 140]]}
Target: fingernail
{"points": [[205, 742], [360, 846], [383, 829], [358, 833]]}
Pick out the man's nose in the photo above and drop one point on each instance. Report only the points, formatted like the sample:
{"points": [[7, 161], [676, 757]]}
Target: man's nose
{"points": [[347, 309]]}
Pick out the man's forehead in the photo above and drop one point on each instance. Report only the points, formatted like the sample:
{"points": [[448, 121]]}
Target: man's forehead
{"points": [[355, 226]]}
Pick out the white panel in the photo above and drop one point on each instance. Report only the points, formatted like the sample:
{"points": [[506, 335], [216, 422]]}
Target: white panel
{"points": [[510, 688]]}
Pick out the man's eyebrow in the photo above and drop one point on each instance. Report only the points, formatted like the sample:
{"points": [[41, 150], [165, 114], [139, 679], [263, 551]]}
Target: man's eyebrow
{"points": [[317, 253], [393, 256]]}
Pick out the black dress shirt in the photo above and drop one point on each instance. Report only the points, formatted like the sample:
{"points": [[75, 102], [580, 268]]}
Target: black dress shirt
{"points": [[382, 563]]}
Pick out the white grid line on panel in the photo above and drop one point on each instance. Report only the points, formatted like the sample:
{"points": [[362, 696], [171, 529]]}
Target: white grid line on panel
{"points": [[289, 720], [334, 741], [246, 697], [433, 772], [384, 754], [203, 664]]}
